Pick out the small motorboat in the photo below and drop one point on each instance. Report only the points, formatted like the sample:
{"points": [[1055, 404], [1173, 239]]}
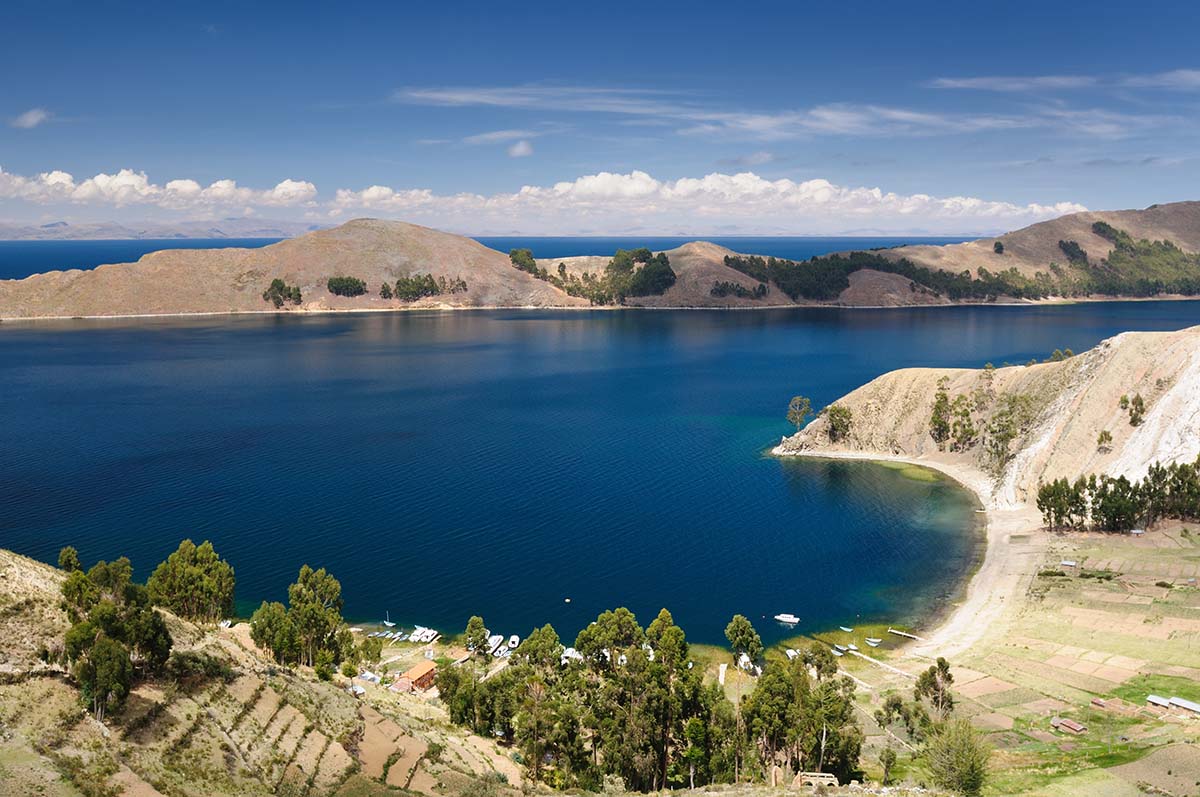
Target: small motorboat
{"points": [[852, 646], [837, 652], [847, 630], [388, 620], [513, 641], [874, 642], [494, 641], [842, 648], [787, 618], [791, 654]]}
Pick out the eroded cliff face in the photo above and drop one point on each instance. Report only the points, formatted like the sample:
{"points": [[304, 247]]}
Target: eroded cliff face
{"points": [[1018, 426]]}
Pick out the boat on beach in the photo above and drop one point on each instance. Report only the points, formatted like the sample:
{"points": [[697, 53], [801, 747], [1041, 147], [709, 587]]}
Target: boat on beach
{"points": [[873, 641], [837, 652], [842, 648], [847, 630]]}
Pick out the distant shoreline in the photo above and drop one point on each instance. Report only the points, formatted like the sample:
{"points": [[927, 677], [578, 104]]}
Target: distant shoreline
{"points": [[1030, 303]]}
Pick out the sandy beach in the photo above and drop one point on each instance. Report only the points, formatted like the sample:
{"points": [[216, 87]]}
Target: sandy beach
{"points": [[1014, 548]]}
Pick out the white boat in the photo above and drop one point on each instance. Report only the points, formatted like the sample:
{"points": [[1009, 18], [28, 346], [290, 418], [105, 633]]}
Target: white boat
{"points": [[837, 652], [852, 646], [874, 642], [791, 654], [847, 630], [513, 641], [494, 641], [401, 637], [787, 618], [388, 621], [842, 648]]}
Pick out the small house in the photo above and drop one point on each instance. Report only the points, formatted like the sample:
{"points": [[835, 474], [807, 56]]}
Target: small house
{"points": [[422, 674], [356, 690], [1067, 563], [1068, 725]]}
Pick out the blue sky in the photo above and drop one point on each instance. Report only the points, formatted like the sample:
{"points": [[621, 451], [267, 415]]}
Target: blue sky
{"points": [[797, 117]]}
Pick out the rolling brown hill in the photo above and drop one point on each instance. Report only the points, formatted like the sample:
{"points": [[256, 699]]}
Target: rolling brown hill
{"points": [[187, 281], [233, 280], [1033, 248]]}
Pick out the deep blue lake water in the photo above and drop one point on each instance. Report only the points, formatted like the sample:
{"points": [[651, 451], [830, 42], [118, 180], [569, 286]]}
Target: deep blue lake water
{"points": [[19, 259], [498, 462]]}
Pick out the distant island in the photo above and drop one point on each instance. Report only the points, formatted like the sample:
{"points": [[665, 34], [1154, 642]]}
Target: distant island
{"points": [[393, 265]]}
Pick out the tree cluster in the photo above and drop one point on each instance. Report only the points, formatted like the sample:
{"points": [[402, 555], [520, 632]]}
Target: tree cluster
{"points": [[346, 286], [723, 289], [633, 706], [418, 286], [310, 630], [630, 273], [116, 633], [280, 292], [194, 583], [1109, 503], [1133, 268]]}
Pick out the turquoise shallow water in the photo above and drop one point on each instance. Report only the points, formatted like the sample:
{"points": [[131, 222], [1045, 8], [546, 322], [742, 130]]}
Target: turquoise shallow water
{"points": [[498, 462]]}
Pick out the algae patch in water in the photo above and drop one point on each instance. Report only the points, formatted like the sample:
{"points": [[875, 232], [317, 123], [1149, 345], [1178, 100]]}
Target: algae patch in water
{"points": [[914, 472]]}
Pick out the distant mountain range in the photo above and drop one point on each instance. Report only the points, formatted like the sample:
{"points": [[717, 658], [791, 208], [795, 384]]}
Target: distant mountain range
{"points": [[111, 230]]}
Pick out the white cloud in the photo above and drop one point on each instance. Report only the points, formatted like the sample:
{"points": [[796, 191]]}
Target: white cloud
{"points": [[600, 203], [614, 203], [520, 149], [31, 118], [129, 187]]}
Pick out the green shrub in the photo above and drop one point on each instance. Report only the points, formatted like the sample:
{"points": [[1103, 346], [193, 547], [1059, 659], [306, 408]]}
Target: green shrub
{"points": [[346, 286]]}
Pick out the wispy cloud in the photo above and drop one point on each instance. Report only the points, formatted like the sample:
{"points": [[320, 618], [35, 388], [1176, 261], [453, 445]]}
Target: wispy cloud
{"points": [[500, 136], [1180, 79], [689, 116], [1015, 83], [31, 118], [1176, 79]]}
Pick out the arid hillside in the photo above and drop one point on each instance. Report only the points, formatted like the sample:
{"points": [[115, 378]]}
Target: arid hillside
{"points": [[1032, 249], [1027, 424], [233, 280], [1140, 253], [228, 723]]}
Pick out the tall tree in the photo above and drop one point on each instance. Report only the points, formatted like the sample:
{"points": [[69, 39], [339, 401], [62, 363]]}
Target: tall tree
{"points": [[194, 582], [476, 636], [315, 609], [743, 638], [68, 559], [958, 758], [799, 408]]}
